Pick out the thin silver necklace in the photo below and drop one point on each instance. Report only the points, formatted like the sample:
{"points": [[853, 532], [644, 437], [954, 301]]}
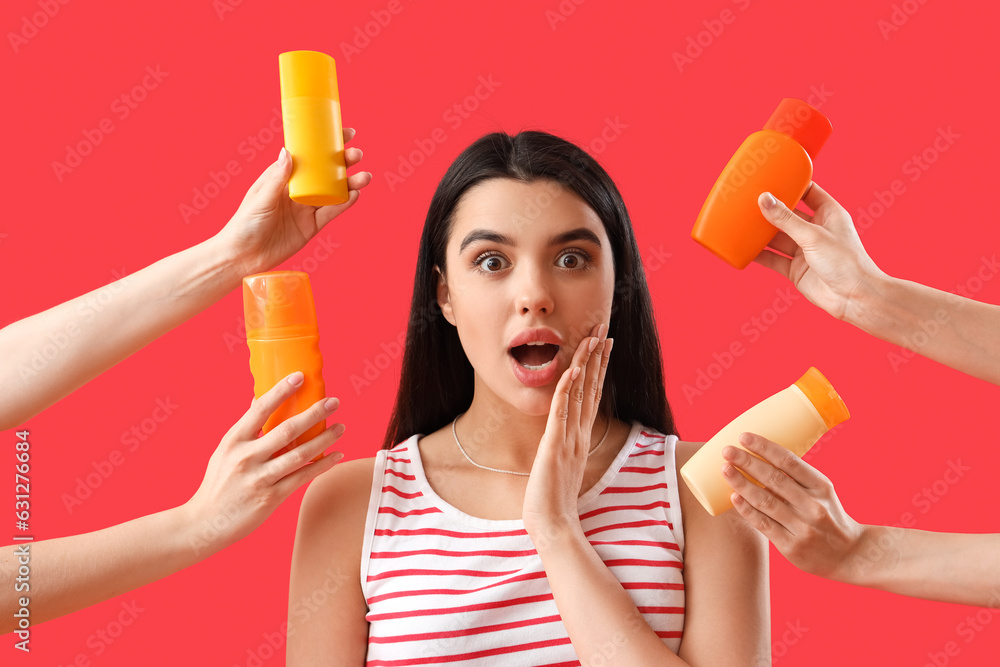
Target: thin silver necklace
{"points": [[512, 472]]}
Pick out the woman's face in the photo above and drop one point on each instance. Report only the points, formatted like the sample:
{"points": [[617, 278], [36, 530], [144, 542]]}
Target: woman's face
{"points": [[524, 256]]}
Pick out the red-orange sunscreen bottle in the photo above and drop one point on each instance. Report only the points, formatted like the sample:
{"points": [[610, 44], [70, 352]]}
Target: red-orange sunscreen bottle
{"points": [[777, 159], [283, 338]]}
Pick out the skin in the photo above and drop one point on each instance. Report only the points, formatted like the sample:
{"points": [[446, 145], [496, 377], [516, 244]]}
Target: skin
{"points": [[243, 485], [547, 430], [470, 298], [828, 265], [267, 229], [799, 511]]}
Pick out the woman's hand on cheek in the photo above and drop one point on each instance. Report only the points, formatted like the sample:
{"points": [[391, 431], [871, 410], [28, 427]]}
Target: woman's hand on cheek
{"points": [[243, 484], [799, 511], [550, 499], [269, 227]]}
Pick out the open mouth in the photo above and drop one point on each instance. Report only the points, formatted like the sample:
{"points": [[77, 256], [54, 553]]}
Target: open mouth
{"points": [[535, 356]]}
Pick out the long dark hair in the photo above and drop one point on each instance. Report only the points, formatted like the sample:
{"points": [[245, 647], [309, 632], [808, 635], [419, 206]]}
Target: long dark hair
{"points": [[437, 380]]}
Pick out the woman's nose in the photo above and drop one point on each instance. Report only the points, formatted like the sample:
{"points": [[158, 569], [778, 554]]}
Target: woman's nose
{"points": [[534, 294]]}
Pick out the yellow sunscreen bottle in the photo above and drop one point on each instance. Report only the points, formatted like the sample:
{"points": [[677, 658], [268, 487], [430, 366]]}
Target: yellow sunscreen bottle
{"points": [[314, 135], [795, 418]]}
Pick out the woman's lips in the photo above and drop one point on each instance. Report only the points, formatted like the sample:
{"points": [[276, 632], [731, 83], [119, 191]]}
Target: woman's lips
{"points": [[535, 378]]}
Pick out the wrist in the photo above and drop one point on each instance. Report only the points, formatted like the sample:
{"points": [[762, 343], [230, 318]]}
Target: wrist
{"points": [[554, 535], [200, 533], [224, 261], [868, 554], [866, 305]]}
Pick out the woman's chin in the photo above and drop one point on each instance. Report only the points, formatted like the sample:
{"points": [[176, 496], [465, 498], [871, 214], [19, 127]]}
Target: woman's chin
{"points": [[529, 401], [537, 405]]}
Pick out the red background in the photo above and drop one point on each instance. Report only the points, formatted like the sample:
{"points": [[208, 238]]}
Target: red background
{"points": [[888, 95]]}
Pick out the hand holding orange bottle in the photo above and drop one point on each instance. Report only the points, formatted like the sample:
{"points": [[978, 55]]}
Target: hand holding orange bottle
{"points": [[826, 261], [777, 158], [828, 265]]}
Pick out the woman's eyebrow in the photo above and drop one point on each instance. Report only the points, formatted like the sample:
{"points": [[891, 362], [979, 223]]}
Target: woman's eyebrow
{"points": [[578, 234]]}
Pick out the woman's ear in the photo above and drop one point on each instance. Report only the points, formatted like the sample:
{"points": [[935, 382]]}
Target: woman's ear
{"points": [[444, 297]]}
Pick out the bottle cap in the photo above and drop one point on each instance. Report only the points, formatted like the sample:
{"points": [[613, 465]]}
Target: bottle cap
{"points": [[308, 74], [824, 397], [279, 304], [802, 122]]}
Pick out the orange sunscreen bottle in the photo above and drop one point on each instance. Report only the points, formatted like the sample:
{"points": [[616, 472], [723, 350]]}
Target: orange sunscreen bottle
{"points": [[777, 159], [283, 338], [314, 136], [795, 418]]}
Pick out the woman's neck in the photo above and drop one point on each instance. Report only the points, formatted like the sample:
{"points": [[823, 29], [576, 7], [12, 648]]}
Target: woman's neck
{"points": [[496, 434]]}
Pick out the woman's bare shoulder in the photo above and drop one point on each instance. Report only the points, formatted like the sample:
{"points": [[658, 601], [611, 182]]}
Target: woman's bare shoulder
{"points": [[326, 562], [335, 505], [685, 450], [344, 478]]}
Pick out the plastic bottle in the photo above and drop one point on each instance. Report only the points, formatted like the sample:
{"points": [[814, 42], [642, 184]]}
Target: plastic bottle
{"points": [[314, 136], [283, 338], [794, 418], [777, 159]]}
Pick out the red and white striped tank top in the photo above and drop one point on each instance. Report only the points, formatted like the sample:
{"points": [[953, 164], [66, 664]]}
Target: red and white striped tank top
{"points": [[446, 587]]}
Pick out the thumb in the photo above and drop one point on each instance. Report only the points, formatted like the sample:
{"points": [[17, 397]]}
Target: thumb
{"points": [[782, 217], [271, 183]]}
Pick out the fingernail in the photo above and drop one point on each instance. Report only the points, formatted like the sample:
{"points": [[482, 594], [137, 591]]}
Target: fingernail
{"points": [[603, 331], [339, 429], [331, 404], [728, 452], [575, 373], [296, 378], [729, 471], [593, 344], [746, 439], [768, 200], [281, 155], [607, 346]]}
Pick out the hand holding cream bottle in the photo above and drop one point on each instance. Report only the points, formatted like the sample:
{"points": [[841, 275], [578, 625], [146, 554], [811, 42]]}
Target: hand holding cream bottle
{"points": [[314, 135], [777, 159], [795, 418], [283, 338]]}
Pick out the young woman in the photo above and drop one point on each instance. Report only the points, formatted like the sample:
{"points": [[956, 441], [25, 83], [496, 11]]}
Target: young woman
{"points": [[523, 510]]}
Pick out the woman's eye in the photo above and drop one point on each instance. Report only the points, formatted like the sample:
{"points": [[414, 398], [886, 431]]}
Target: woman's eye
{"points": [[577, 258], [493, 263], [489, 263]]}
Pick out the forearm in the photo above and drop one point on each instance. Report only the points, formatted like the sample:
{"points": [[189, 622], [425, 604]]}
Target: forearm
{"points": [[49, 355], [598, 613], [71, 573], [945, 327], [946, 567]]}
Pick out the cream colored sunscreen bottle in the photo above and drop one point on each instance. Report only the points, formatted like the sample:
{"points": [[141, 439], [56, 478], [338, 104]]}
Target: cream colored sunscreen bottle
{"points": [[794, 418]]}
